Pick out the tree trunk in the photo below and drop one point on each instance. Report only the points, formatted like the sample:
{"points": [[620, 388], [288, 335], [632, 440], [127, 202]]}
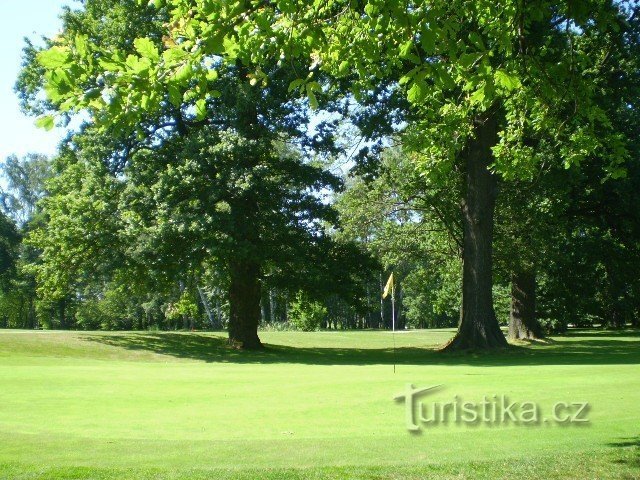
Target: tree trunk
{"points": [[523, 323], [613, 315], [245, 290], [478, 327], [244, 301]]}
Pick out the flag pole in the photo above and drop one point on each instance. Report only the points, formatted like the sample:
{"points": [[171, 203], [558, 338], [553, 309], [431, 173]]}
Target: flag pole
{"points": [[391, 288], [393, 323]]}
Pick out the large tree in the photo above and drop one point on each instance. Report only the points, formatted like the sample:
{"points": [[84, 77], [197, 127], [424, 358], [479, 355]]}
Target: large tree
{"points": [[205, 167]]}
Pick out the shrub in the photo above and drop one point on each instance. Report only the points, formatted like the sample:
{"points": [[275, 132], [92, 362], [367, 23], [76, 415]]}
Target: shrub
{"points": [[305, 314]]}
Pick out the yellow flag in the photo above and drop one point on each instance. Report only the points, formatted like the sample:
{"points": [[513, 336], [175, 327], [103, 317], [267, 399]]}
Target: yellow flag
{"points": [[389, 287]]}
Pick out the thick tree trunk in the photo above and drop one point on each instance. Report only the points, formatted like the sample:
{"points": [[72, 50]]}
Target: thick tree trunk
{"points": [[244, 301], [479, 327], [245, 290], [523, 324]]}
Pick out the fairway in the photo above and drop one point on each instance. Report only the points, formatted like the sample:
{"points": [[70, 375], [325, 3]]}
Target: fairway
{"points": [[312, 405], [320, 240]]}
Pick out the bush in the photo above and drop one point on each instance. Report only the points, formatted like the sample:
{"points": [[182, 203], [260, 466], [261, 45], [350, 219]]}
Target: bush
{"points": [[552, 325], [91, 315], [306, 315], [186, 306]]}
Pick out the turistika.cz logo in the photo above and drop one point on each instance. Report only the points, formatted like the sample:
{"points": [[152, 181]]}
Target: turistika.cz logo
{"points": [[491, 410]]}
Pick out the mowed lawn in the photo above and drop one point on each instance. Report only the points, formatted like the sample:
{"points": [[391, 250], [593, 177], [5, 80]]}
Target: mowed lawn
{"points": [[312, 405]]}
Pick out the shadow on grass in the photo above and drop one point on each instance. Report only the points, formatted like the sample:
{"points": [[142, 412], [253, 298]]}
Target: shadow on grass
{"points": [[210, 348], [603, 332], [629, 451]]}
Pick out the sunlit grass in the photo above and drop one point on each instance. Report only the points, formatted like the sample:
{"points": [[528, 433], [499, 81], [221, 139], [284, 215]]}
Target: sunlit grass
{"points": [[312, 405]]}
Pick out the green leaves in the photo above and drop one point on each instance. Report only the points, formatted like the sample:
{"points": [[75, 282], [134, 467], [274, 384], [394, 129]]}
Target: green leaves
{"points": [[484, 95], [138, 65], [215, 44], [428, 41], [445, 79], [201, 109], [46, 122], [183, 74], [417, 92], [371, 9], [308, 88], [111, 65], [296, 84], [258, 78], [212, 75], [467, 60], [312, 88], [231, 48], [55, 57], [506, 80], [174, 56], [175, 95], [407, 51], [82, 45], [476, 40], [146, 48]]}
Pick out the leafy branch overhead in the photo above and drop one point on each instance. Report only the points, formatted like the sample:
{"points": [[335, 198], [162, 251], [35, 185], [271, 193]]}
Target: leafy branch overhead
{"points": [[450, 58]]}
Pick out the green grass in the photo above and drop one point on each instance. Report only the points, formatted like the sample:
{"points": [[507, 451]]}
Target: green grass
{"points": [[312, 405]]}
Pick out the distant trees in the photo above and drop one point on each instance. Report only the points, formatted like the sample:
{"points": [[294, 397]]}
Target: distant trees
{"points": [[9, 241], [25, 186], [412, 225]]}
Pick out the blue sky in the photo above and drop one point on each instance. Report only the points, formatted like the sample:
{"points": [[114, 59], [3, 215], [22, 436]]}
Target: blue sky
{"points": [[23, 18]]}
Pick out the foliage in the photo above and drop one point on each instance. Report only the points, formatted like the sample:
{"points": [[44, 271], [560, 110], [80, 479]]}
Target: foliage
{"points": [[26, 185], [452, 59], [199, 185], [305, 314], [186, 306]]}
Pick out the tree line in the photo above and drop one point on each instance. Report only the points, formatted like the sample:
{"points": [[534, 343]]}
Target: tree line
{"points": [[243, 163]]}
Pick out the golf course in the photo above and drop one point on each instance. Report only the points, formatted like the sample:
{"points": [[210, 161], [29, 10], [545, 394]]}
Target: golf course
{"points": [[147, 405], [320, 240]]}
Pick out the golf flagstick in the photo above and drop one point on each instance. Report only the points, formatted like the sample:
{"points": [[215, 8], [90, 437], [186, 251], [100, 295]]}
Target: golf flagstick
{"points": [[391, 289]]}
